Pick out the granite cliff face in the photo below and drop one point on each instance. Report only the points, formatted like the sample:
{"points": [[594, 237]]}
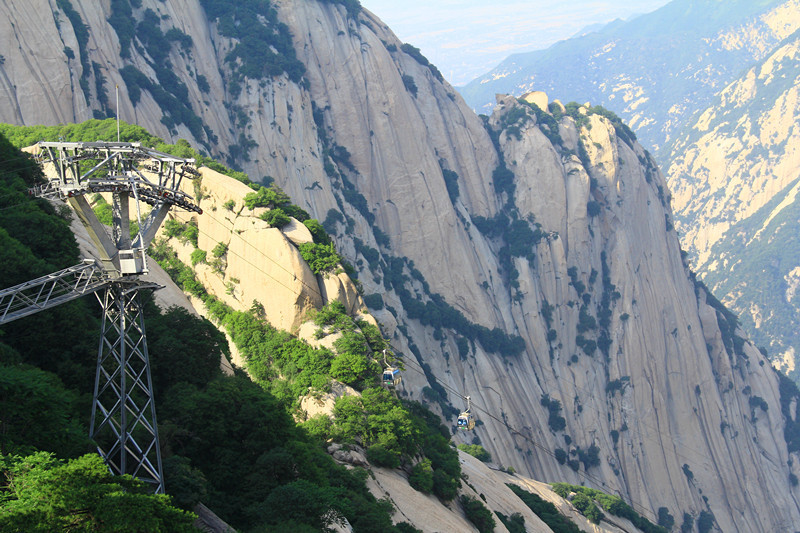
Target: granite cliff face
{"points": [[723, 138], [529, 261], [274, 275]]}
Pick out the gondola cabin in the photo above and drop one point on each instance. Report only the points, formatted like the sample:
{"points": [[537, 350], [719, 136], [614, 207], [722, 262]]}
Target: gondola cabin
{"points": [[466, 421], [391, 377]]}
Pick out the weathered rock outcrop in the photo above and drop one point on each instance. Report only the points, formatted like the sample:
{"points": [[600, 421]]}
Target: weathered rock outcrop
{"points": [[607, 367], [248, 262], [485, 483]]}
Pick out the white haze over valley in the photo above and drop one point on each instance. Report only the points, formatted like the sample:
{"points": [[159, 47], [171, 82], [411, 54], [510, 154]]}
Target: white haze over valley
{"points": [[467, 38]]}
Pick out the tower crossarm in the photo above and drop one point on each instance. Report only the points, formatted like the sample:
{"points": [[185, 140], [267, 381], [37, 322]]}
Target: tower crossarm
{"points": [[131, 175], [51, 290], [80, 168]]}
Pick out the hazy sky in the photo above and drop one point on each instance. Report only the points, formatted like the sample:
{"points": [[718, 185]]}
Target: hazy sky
{"points": [[467, 38]]}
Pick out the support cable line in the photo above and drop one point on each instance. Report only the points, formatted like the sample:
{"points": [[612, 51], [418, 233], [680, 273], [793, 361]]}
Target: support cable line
{"points": [[641, 509]]}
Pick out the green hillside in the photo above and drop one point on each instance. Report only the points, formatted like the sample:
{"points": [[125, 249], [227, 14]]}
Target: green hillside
{"points": [[228, 441]]}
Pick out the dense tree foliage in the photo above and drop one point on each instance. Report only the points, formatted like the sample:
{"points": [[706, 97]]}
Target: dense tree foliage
{"points": [[554, 418], [39, 413], [41, 494], [226, 440], [586, 501], [477, 451], [514, 523], [322, 258], [275, 218], [705, 522], [478, 514], [789, 394], [35, 240], [665, 519], [391, 431], [281, 208], [410, 84], [270, 197], [545, 510], [450, 181]]}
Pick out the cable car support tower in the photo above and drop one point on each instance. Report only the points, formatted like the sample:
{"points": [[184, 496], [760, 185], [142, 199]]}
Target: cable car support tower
{"points": [[123, 423]]}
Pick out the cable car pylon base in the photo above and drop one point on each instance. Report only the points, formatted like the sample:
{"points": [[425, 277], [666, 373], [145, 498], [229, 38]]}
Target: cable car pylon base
{"points": [[123, 411]]}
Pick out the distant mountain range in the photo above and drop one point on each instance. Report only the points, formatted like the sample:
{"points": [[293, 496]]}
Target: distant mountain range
{"points": [[655, 70], [735, 176]]}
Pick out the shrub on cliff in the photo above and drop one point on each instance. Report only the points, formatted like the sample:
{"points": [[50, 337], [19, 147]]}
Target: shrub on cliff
{"points": [[478, 514], [321, 258]]}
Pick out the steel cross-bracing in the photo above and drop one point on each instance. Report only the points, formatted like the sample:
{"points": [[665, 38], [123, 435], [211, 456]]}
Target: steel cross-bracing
{"points": [[51, 290], [123, 420], [124, 413]]}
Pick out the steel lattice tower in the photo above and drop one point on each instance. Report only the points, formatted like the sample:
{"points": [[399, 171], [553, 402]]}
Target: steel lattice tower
{"points": [[124, 412], [123, 422]]}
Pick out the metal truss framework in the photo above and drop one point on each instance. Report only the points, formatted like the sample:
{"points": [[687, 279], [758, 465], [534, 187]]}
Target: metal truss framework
{"points": [[124, 412], [123, 420], [134, 175], [51, 290]]}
